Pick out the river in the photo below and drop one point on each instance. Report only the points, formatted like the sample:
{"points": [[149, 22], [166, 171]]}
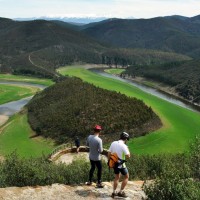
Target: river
{"points": [[8, 109], [153, 91]]}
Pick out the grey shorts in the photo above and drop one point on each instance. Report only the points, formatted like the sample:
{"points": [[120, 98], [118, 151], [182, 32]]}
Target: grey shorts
{"points": [[123, 171]]}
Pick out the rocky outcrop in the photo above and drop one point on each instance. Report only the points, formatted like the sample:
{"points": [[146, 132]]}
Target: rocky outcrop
{"points": [[65, 192], [71, 192]]}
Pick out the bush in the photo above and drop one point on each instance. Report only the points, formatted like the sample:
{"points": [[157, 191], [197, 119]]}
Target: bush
{"points": [[179, 179], [172, 186], [195, 158]]}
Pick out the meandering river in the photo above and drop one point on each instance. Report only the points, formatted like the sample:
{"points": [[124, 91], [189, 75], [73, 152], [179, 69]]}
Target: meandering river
{"points": [[8, 109], [153, 91]]}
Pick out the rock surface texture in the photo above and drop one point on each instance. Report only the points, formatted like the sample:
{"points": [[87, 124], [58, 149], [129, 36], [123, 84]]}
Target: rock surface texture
{"points": [[76, 192]]}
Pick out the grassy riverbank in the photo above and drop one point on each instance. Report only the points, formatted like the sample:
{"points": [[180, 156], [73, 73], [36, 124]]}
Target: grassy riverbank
{"points": [[16, 135], [180, 126], [27, 79], [12, 93], [15, 92]]}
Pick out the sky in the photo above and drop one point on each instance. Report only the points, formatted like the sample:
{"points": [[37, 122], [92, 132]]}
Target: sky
{"points": [[98, 8]]}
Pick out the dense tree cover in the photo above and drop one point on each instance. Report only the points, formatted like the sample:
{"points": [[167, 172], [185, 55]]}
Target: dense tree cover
{"points": [[72, 107], [38, 47], [125, 57], [49, 44], [173, 175], [171, 34], [182, 76]]}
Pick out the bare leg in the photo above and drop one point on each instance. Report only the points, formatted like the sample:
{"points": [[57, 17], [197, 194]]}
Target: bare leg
{"points": [[124, 182], [116, 181]]}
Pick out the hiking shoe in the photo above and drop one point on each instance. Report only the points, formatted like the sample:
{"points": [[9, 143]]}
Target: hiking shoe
{"points": [[122, 194], [99, 185], [114, 194], [88, 183]]}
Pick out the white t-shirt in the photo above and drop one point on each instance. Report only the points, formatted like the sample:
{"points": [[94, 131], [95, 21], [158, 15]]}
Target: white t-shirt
{"points": [[120, 149]]}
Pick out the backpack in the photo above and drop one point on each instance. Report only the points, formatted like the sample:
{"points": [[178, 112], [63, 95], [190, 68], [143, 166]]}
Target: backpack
{"points": [[114, 161]]}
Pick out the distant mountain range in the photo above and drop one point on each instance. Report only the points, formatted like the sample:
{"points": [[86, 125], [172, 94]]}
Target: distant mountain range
{"points": [[37, 47], [173, 33], [73, 20]]}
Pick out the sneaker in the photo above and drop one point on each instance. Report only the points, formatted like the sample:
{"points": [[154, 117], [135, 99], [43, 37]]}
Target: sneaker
{"points": [[122, 194], [88, 183], [99, 185], [114, 194]]}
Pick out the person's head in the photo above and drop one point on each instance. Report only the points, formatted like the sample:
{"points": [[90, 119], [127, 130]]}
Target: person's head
{"points": [[97, 128], [124, 136]]}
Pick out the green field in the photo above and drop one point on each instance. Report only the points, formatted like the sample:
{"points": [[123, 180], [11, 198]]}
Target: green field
{"points": [[28, 79], [114, 71], [180, 126], [12, 93], [15, 136]]}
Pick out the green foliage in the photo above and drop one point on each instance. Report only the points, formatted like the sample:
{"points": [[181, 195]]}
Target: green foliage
{"points": [[171, 174], [72, 107], [160, 33], [171, 185], [182, 76], [39, 53], [125, 57], [179, 179], [195, 158], [42, 46]]}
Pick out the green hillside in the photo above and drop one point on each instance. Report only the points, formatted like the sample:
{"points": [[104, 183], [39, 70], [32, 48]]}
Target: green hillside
{"points": [[180, 126], [38, 47], [184, 77], [72, 107], [172, 34]]}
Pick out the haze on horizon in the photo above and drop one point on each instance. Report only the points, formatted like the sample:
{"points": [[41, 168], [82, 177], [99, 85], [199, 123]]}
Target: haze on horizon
{"points": [[98, 8]]}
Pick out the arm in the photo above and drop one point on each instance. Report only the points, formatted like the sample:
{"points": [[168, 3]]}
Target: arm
{"points": [[100, 146], [127, 152]]}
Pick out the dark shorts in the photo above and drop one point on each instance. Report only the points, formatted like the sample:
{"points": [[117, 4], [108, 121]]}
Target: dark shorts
{"points": [[123, 171]]}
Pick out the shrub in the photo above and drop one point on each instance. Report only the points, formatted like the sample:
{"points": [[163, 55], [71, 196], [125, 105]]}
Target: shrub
{"points": [[195, 158]]}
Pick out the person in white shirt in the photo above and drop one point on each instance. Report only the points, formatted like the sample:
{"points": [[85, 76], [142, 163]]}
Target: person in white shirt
{"points": [[121, 149]]}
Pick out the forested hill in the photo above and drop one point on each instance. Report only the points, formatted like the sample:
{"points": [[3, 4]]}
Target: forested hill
{"points": [[38, 47], [184, 77], [174, 33], [48, 44], [72, 107]]}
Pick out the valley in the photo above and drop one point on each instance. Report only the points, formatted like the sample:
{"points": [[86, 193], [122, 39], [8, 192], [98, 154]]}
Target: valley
{"points": [[134, 67], [175, 134], [15, 132], [173, 137]]}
